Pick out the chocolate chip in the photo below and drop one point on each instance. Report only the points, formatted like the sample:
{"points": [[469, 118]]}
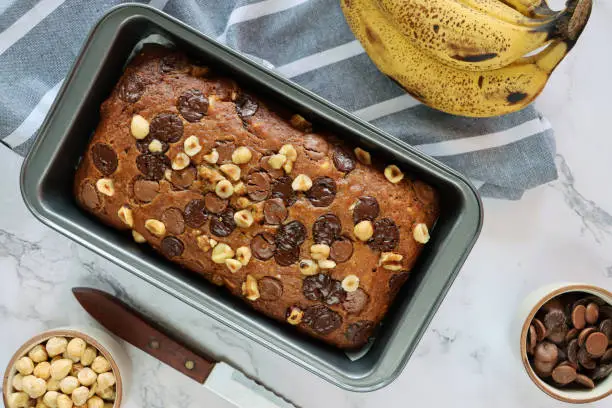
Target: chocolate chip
{"points": [[592, 313], [246, 105], [258, 186], [607, 357], [571, 335], [366, 208], [225, 148], [195, 213], [145, 190], [355, 302], [287, 256], [290, 235], [341, 250], [326, 229], [192, 105], [584, 380], [214, 203], [584, 334], [274, 173], [151, 166], [172, 246], [596, 344], [89, 195], [323, 288], [386, 235], [131, 88], [321, 319], [358, 333], [540, 329], [172, 62], [167, 127], [281, 188], [344, 159], [579, 317], [183, 178], [223, 224], [104, 158], [270, 288], [532, 339], [396, 282], [322, 192], [262, 246], [274, 211], [543, 369], [572, 351], [606, 328], [316, 147], [546, 352], [564, 374], [602, 371], [585, 360], [174, 221]]}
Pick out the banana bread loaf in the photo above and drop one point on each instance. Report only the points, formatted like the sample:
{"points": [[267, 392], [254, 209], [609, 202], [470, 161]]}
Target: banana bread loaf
{"points": [[302, 226]]}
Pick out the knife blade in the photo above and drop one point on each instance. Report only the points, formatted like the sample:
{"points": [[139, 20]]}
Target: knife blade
{"points": [[224, 380]]}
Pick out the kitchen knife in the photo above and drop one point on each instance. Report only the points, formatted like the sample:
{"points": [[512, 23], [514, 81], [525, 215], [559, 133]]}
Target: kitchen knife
{"points": [[219, 377]]}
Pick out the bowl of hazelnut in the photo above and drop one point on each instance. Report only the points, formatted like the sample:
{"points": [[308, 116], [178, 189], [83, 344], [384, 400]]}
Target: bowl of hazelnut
{"points": [[67, 368], [566, 341]]}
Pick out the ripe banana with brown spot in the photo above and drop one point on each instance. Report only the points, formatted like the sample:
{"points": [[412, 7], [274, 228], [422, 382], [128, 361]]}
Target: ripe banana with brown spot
{"points": [[444, 87], [466, 38], [531, 8]]}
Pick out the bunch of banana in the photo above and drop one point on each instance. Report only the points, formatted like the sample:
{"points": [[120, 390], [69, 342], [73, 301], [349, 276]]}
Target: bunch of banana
{"points": [[468, 57]]}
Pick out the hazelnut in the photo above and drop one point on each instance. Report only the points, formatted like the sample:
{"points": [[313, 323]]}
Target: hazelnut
{"points": [[243, 218], [390, 261], [34, 387], [250, 288], [181, 160], [138, 238], [38, 354], [209, 175], [325, 165], [364, 230], [421, 233], [106, 380], [95, 402], [308, 267], [24, 365], [108, 405], [233, 265], [88, 355], [289, 152], [107, 393], [294, 315], [76, 369], [257, 211], [53, 385], [39, 403], [327, 264], [79, 396], [156, 146], [298, 122], [301, 183], [76, 347], [64, 401], [92, 390], [350, 283], [155, 227], [192, 146], [125, 215], [139, 127], [231, 170], [276, 161], [18, 400], [212, 157], [43, 370], [50, 399], [221, 252], [106, 186], [87, 376], [68, 384], [243, 255], [288, 167], [224, 189], [363, 156], [319, 251], [213, 243], [203, 243], [240, 189], [61, 368], [168, 174], [394, 174], [100, 365], [242, 155], [243, 202], [17, 382]]}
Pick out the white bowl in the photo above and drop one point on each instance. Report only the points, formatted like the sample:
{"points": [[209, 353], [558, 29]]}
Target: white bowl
{"points": [[527, 311], [106, 345]]}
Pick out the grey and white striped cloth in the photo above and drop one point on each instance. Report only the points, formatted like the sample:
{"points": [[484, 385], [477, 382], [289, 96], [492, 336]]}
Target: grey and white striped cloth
{"points": [[307, 41]]}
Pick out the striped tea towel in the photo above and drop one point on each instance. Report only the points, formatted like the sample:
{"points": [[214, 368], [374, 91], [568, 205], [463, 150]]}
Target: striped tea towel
{"points": [[305, 40]]}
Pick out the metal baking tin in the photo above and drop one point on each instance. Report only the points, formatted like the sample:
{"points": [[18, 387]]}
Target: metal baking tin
{"points": [[48, 171]]}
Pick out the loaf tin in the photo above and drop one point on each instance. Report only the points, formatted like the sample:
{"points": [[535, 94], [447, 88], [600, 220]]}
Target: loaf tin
{"points": [[48, 172]]}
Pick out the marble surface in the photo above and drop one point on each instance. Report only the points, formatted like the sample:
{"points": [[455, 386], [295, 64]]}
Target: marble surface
{"points": [[558, 232]]}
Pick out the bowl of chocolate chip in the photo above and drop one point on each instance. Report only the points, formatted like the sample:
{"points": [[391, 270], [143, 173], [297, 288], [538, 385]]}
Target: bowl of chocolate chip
{"points": [[566, 341]]}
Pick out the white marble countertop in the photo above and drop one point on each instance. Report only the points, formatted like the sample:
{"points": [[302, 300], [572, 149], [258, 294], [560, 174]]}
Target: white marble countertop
{"points": [[558, 232]]}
